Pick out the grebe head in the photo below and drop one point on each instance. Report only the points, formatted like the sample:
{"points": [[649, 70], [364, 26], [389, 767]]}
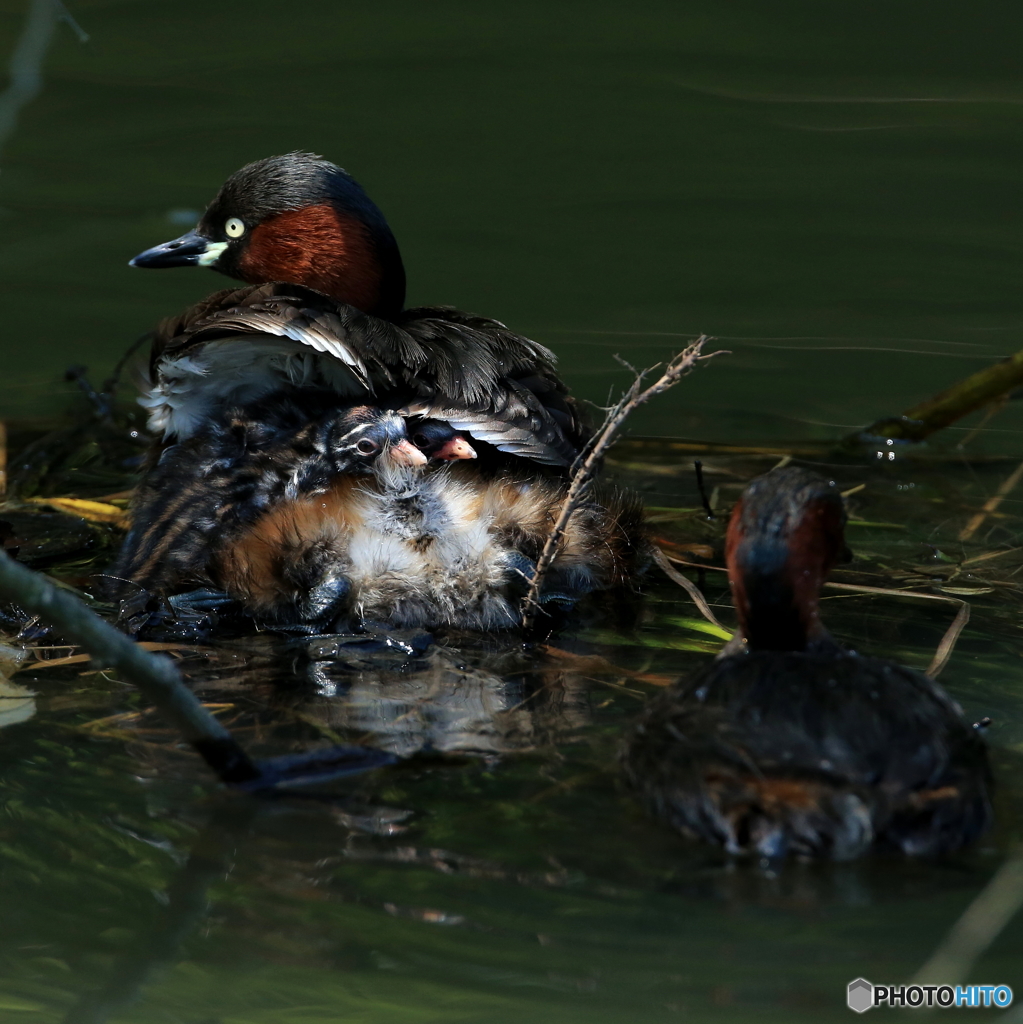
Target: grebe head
{"points": [[299, 219], [784, 536], [439, 441], [365, 439]]}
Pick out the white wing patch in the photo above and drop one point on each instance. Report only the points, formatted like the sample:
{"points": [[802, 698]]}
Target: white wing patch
{"points": [[238, 370], [322, 333]]}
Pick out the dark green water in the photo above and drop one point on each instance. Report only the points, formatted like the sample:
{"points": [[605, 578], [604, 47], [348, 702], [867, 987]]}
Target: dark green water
{"points": [[831, 190]]}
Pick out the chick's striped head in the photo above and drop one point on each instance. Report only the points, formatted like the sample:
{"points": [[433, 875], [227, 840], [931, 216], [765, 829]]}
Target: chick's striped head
{"points": [[362, 437]]}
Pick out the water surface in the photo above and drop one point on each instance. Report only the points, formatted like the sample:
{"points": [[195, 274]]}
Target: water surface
{"points": [[831, 191]]}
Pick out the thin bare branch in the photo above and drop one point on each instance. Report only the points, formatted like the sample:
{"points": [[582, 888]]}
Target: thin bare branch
{"points": [[584, 469]]}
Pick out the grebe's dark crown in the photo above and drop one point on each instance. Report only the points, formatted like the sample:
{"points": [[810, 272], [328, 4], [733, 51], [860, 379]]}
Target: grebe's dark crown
{"points": [[299, 219], [278, 184]]}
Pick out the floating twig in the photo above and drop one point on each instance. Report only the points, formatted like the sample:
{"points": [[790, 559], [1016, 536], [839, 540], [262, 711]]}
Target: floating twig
{"points": [[938, 412], [584, 469]]}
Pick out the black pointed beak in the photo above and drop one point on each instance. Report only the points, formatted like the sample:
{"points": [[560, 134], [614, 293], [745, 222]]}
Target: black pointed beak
{"points": [[190, 250]]}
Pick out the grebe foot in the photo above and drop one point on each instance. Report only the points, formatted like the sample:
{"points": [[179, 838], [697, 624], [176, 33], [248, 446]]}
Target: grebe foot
{"points": [[325, 600]]}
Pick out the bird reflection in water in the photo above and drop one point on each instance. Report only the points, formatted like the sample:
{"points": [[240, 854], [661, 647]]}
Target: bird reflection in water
{"points": [[444, 700]]}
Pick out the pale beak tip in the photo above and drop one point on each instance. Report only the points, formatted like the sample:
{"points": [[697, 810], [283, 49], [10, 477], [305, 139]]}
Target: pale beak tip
{"points": [[456, 448], [406, 454]]}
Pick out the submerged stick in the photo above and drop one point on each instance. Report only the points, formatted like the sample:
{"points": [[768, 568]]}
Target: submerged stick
{"points": [[154, 675], [586, 464], [981, 923], [967, 396], [159, 680]]}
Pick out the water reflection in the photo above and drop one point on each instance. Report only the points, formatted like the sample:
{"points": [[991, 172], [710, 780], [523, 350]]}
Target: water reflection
{"points": [[26, 64], [449, 705], [186, 904]]}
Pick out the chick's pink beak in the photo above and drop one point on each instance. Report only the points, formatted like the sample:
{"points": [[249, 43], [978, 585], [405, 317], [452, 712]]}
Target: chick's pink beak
{"points": [[404, 453], [456, 448]]}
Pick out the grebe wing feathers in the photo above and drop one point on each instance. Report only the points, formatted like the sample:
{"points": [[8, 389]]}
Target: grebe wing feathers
{"points": [[234, 312], [498, 385], [437, 357]]}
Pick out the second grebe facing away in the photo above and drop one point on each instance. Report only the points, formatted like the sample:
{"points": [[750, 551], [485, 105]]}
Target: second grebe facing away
{"points": [[788, 744]]}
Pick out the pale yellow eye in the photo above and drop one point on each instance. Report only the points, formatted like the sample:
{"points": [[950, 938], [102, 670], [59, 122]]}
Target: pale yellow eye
{"points": [[234, 228]]}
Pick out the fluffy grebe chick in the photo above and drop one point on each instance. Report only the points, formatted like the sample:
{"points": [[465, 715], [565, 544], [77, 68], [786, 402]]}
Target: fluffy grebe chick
{"points": [[788, 744], [441, 547], [211, 487]]}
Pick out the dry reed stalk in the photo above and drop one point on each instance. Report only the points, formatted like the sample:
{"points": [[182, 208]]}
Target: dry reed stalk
{"points": [[687, 585], [941, 655], [948, 642], [584, 469], [991, 505], [988, 555]]}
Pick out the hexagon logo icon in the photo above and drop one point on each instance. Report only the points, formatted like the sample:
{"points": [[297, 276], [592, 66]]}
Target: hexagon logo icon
{"points": [[860, 995]]}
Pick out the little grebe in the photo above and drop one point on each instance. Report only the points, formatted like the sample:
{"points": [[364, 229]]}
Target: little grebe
{"points": [[788, 744], [325, 309], [322, 325]]}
